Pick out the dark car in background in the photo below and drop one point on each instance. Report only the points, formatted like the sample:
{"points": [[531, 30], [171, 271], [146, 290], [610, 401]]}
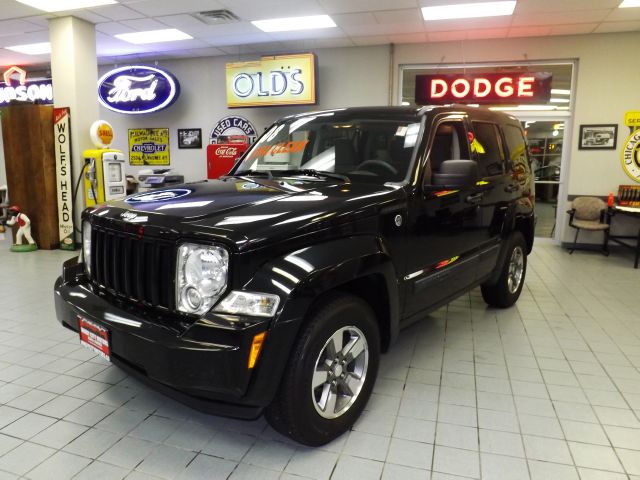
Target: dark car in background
{"points": [[276, 288]]}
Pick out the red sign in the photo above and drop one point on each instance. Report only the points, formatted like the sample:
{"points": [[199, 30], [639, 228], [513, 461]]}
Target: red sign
{"points": [[222, 156], [493, 88], [94, 337]]}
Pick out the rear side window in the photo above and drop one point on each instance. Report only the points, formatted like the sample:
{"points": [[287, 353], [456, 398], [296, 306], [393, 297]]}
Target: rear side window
{"points": [[487, 145], [517, 147]]}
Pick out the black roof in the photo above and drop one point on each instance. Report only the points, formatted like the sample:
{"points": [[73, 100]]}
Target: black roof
{"points": [[478, 113]]}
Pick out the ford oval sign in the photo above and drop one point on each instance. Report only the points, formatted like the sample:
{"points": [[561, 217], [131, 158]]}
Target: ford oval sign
{"points": [[159, 196], [137, 89]]}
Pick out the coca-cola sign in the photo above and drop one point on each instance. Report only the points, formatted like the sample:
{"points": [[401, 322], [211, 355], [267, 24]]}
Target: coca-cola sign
{"points": [[226, 151], [137, 89]]}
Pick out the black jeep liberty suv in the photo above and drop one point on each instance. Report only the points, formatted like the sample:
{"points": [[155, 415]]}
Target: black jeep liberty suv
{"points": [[276, 287]]}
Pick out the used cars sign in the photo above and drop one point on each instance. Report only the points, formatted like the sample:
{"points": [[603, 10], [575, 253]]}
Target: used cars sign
{"points": [[137, 89]]}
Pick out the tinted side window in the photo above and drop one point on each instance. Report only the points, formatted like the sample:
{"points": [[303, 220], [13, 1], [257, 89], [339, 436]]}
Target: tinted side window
{"points": [[488, 146], [517, 147], [449, 143]]}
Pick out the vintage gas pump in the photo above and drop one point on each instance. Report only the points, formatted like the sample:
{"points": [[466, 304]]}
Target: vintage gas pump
{"points": [[104, 177]]}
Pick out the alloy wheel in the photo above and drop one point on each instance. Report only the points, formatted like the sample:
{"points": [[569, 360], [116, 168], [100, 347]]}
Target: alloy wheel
{"points": [[516, 269], [340, 372]]}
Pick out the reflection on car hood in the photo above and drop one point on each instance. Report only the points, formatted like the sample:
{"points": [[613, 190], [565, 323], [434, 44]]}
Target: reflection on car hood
{"points": [[249, 212]]}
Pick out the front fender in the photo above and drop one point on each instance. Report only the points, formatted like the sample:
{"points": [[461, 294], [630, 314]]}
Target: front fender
{"points": [[300, 277]]}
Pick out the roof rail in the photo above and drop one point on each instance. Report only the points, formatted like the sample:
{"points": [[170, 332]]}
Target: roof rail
{"points": [[425, 109]]}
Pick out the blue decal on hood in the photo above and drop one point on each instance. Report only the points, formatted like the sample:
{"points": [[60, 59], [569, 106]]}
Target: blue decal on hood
{"points": [[159, 196], [137, 89]]}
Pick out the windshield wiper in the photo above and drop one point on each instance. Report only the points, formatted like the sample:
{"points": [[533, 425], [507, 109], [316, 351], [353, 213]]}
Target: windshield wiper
{"points": [[310, 172], [252, 173]]}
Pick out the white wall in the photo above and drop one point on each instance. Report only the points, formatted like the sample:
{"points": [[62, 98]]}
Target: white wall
{"points": [[606, 80], [346, 77], [607, 86]]}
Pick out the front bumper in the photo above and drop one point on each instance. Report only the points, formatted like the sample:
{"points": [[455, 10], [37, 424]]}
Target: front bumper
{"points": [[202, 364]]}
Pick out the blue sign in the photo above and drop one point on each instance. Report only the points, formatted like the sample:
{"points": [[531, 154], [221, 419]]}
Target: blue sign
{"points": [[159, 196], [149, 147], [137, 89]]}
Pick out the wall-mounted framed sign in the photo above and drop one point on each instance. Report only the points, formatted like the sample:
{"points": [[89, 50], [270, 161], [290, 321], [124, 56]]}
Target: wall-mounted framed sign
{"points": [[189, 138], [272, 81], [149, 146], [233, 129], [137, 89], [484, 88], [21, 90], [598, 137]]}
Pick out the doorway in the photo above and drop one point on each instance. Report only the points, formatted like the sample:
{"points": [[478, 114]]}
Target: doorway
{"points": [[545, 139]]}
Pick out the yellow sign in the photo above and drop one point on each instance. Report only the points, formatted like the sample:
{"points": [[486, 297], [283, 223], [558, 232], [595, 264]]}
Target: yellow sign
{"points": [[101, 133], [632, 119], [149, 146], [105, 133], [631, 156], [274, 80]]}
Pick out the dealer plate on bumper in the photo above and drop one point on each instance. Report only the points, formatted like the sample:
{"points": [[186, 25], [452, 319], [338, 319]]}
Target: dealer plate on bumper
{"points": [[94, 337]]}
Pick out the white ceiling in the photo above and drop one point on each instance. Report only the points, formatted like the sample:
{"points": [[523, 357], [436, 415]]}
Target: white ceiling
{"points": [[360, 22]]}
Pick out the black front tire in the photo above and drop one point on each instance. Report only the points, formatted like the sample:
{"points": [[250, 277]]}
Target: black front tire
{"points": [[293, 411], [505, 292]]}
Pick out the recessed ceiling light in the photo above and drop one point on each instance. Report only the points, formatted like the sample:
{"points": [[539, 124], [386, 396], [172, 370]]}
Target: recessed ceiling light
{"points": [[559, 100], [629, 4], [61, 5], [294, 23], [32, 48], [468, 10], [560, 91], [154, 36]]}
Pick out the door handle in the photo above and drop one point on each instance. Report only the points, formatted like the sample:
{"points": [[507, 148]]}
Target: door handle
{"points": [[475, 197]]}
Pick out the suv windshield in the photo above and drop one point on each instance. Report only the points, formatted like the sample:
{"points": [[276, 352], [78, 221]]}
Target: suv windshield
{"points": [[354, 149]]}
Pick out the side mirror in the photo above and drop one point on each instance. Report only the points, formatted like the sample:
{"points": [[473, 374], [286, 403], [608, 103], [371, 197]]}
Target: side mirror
{"points": [[456, 173]]}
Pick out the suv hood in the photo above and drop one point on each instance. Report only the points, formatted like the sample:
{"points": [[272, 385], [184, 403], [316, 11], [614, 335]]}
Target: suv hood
{"points": [[248, 212]]}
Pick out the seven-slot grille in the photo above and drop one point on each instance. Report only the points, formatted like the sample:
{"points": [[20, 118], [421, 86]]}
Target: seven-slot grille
{"points": [[141, 269]]}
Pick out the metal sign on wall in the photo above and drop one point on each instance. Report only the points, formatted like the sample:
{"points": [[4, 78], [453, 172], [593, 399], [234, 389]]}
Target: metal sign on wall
{"points": [[137, 89], [484, 88], [149, 146], [64, 179], [23, 90], [272, 81], [233, 129]]}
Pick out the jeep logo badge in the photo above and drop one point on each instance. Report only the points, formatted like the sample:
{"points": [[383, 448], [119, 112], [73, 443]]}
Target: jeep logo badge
{"points": [[159, 196], [128, 216]]}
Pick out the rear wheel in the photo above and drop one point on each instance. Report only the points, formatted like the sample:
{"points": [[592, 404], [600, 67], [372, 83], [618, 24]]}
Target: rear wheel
{"points": [[330, 374], [506, 291]]}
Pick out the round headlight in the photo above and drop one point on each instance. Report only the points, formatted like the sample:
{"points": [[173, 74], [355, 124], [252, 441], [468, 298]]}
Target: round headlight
{"points": [[202, 277], [193, 298]]}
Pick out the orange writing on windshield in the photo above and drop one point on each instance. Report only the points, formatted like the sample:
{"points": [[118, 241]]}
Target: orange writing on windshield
{"points": [[284, 147]]}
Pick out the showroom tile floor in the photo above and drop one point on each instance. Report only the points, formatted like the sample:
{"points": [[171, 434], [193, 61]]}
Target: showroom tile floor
{"points": [[549, 389]]}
